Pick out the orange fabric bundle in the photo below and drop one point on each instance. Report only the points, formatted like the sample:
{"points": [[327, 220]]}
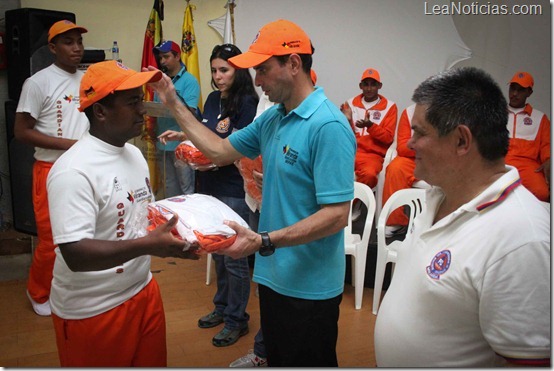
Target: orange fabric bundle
{"points": [[188, 154], [246, 166], [200, 220], [214, 242]]}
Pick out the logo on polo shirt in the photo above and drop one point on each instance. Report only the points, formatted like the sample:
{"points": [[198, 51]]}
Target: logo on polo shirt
{"points": [[439, 264], [290, 155]]}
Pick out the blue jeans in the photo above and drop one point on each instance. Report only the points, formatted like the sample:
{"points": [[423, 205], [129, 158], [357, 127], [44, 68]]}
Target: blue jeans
{"points": [[259, 346], [179, 180], [233, 278]]}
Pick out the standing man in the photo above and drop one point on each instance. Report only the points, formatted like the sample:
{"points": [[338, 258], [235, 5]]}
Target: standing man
{"points": [[47, 118], [300, 264], [179, 180], [106, 306], [373, 119], [471, 286], [529, 131]]}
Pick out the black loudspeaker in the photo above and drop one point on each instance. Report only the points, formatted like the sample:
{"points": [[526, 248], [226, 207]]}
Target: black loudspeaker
{"points": [[27, 43], [21, 162]]}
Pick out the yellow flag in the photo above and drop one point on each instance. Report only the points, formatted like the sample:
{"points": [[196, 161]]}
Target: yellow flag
{"points": [[152, 37], [189, 47]]}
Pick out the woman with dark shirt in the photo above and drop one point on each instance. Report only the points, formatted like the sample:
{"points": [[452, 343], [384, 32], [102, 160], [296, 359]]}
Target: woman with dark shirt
{"points": [[232, 106]]}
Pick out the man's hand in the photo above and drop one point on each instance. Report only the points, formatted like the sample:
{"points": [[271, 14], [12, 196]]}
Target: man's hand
{"points": [[545, 167], [169, 245], [364, 123], [172, 135], [164, 88], [258, 178], [246, 243], [346, 110]]}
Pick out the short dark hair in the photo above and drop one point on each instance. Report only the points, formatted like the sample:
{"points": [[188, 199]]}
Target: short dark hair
{"points": [[108, 101], [307, 60], [467, 96]]}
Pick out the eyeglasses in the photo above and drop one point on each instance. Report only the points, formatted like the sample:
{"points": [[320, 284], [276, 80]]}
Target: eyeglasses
{"points": [[229, 48]]}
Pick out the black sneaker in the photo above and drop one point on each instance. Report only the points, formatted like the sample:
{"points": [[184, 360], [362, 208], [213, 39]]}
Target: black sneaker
{"points": [[227, 337], [210, 320]]}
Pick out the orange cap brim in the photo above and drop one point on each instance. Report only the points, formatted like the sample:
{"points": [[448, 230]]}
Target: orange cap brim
{"points": [[248, 59], [140, 79]]}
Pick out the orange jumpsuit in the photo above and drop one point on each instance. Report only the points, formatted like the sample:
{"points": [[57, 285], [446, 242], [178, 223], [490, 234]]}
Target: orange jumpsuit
{"points": [[400, 171], [529, 148], [373, 142]]}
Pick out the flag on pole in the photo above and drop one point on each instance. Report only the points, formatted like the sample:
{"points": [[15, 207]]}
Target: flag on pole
{"points": [[224, 24], [228, 34], [189, 47], [152, 37]]}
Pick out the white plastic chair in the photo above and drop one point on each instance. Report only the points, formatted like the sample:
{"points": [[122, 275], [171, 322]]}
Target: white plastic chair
{"points": [[415, 199], [209, 261], [355, 245]]}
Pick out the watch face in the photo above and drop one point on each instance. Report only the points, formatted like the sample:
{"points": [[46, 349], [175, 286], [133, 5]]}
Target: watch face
{"points": [[267, 250]]}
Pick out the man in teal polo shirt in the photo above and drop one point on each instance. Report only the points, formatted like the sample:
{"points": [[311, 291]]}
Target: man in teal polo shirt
{"points": [[178, 179], [308, 151]]}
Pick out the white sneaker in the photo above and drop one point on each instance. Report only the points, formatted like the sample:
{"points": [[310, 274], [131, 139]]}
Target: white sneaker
{"points": [[40, 309], [249, 360]]}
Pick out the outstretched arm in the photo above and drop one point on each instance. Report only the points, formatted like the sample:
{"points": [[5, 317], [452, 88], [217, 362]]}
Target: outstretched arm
{"points": [[219, 150], [93, 255]]}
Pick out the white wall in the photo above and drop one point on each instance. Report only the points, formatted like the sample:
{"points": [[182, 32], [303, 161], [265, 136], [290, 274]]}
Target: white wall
{"points": [[349, 36]]}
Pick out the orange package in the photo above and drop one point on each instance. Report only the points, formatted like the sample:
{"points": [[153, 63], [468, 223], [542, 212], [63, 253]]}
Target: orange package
{"points": [[200, 222], [246, 166], [188, 154]]}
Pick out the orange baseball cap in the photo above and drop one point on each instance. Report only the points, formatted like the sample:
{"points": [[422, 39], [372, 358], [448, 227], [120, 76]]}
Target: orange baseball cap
{"points": [[63, 26], [106, 77], [280, 37], [524, 79], [313, 76], [371, 73]]}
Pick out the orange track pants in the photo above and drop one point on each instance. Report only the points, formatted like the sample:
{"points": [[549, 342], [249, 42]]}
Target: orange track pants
{"points": [[132, 334], [399, 175], [40, 274], [367, 167], [534, 181]]}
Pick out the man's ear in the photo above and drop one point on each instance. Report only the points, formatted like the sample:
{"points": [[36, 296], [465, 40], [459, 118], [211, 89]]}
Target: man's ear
{"points": [[99, 111], [52, 48], [464, 139]]}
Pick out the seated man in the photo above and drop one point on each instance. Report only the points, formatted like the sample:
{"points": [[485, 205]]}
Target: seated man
{"points": [[400, 171], [373, 119], [529, 131]]}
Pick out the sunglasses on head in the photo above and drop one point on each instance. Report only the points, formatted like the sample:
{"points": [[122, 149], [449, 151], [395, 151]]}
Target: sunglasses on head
{"points": [[229, 48]]}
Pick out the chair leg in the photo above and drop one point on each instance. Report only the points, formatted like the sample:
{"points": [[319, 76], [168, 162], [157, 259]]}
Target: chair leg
{"points": [[353, 270], [379, 278], [209, 269], [360, 275]]}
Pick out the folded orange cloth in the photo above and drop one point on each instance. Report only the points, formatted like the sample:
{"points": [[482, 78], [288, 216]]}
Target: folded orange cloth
{"points": [[187, 153], [200, 220], [246, 166]]}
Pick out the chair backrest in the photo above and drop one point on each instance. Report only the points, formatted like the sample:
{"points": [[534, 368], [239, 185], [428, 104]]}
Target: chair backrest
{"points": [[412, 197], [365, 195]]}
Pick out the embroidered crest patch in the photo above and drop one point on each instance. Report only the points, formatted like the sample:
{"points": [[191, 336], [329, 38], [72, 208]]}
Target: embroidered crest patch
{"points": [[439, 264], [223, 125]]}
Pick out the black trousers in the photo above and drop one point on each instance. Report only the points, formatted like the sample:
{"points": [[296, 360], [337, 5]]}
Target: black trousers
{"points": [[299, 332]]}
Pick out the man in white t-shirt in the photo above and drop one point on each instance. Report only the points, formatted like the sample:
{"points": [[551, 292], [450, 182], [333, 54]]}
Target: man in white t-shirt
{"points": [[106, 306], [471, 285], [47, 118]]}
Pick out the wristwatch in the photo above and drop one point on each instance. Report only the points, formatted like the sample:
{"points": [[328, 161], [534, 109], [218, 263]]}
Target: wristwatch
{"points": [[267, 247]]}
